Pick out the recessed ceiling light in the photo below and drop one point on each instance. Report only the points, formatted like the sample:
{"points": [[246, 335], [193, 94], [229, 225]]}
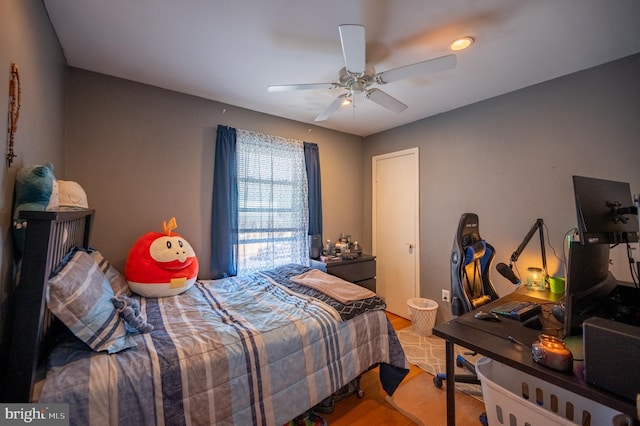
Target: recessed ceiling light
{"points": [[461, 43]]}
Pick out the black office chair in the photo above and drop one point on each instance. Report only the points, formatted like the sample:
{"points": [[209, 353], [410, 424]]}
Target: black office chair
{"points": [[471, 286]]}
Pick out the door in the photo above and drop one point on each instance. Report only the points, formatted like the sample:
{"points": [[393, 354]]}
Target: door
{"points": [[396, 228]]}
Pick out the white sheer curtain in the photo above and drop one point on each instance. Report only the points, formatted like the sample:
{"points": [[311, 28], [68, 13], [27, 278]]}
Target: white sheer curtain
{"points": [[272, 202]]}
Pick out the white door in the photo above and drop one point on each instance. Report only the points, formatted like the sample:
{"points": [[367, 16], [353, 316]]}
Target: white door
{"points": [[396, 228]]}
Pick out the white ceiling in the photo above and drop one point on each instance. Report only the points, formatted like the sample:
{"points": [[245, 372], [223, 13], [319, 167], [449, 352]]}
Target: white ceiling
{"points": [[230, 51]]}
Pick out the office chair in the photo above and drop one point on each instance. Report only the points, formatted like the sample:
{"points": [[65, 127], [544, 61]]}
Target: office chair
{"points": [[471, 286]]}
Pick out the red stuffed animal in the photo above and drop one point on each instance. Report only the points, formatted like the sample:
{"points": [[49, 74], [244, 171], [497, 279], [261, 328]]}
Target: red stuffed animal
{"points": [[161, 264]]}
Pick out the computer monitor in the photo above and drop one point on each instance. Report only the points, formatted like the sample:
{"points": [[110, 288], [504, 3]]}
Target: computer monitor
{"points": [[606, 217], [588, 285], [606, 214]]}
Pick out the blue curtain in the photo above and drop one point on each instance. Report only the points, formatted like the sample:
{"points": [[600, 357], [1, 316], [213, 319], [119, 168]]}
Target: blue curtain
{"points": [[312, 163], [224, 214]]}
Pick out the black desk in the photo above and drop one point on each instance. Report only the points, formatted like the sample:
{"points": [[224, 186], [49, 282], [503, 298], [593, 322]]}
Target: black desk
{"points": [[491, 340]]}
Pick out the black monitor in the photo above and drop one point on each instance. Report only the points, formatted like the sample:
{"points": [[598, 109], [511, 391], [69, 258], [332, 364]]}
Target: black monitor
{"points": [[589, 283], [606, 214], [606, 217]]}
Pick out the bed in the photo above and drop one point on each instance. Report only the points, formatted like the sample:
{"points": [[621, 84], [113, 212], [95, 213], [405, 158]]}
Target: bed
{"points": [[257, 349]]}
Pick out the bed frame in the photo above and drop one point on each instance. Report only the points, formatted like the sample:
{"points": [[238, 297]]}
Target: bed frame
{"points": [[33, 329]]}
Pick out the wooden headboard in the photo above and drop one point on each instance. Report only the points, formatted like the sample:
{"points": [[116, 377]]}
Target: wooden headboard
{"points": [[49, 236]]}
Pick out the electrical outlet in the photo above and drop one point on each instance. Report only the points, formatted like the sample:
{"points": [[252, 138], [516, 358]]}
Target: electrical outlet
{"points": [[445, 295]]}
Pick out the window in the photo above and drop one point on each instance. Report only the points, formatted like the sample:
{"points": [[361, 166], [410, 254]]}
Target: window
{"points": [[272, 202], [267, 198]]}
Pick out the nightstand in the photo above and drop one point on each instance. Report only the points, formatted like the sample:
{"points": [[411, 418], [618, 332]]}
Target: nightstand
{"points": [[361, 271]]}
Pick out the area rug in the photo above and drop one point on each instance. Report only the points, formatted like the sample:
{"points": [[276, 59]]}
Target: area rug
{"points": [[428, 353], [418, 400]]}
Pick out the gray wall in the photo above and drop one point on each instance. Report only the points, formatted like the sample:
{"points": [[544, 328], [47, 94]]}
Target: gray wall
{"points": [[145, 154], [510, 159], [27, 39]]}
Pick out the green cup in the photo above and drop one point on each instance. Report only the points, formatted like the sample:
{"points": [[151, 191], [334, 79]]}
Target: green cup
{"points": [[556, 284]]}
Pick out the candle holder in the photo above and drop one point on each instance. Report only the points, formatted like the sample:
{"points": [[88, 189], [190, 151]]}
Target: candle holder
{"points": [[536, 279], [552, 352]]}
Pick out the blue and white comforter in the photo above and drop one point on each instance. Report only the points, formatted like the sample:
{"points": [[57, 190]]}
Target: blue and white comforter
{"points": [[243, 350]]}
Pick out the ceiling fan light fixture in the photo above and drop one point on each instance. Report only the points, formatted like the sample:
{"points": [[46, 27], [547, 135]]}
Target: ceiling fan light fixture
{"points": [[461, 43], [356, 76]]}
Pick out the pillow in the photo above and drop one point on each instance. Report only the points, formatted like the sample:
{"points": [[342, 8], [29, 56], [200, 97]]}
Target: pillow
{"points": [[118, 283], [79, 294]]}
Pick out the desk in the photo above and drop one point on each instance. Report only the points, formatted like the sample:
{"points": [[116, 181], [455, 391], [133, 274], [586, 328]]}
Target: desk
{"points": [[491, 340]]}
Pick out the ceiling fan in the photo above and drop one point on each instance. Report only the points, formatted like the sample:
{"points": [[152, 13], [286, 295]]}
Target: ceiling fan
{"points": [[357, 76]]}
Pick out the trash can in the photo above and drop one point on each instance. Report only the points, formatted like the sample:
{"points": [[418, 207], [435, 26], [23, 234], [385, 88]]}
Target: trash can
{"points": [[423, 315]]}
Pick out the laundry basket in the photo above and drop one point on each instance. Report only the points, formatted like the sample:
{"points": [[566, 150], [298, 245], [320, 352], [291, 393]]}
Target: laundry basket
{"points": [[512, 397], [423, 315]]}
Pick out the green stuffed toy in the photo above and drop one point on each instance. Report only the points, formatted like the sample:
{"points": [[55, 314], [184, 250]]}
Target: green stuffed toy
{"points": [[35, 190]]}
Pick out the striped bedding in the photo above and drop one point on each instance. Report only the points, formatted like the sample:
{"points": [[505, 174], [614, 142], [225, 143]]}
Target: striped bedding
{"points": [[243, 350]]}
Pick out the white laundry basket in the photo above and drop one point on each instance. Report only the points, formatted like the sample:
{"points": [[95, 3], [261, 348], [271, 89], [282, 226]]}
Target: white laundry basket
{"points": [[423, 315], [512, 397]]}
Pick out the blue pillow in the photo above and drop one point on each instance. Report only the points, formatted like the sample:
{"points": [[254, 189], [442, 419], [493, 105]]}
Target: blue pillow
{"points": [[79, 294], [119, 284]]}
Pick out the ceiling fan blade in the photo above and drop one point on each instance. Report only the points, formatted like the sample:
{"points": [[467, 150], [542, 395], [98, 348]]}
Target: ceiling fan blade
{"points": [[385, 100], [287, 87], [331, 108], [352, 38], [420, 68]]}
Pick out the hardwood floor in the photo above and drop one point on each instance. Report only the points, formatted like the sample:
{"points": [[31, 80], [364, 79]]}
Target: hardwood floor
{"points": [[427, 404]]}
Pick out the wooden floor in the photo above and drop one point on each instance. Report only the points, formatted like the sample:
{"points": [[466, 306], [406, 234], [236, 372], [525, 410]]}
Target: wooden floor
{"points": [[428, 405]]}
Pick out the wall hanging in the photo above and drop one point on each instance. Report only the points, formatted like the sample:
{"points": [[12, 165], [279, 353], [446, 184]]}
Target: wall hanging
{"points": [[15, 95]]}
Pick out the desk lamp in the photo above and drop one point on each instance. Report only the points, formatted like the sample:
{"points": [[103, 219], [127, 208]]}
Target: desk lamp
{"points": [[507, 271]]}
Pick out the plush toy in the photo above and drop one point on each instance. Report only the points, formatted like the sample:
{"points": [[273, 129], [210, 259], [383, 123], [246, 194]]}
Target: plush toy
{"points": [[129, 310], [161, 264], [36, 189]]}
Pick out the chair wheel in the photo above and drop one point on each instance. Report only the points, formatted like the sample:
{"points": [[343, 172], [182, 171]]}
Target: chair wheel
{"points": [[360, 393], [437, 381]]}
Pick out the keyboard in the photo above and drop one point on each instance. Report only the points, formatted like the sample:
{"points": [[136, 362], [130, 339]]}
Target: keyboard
{"points": [[517, 310]]}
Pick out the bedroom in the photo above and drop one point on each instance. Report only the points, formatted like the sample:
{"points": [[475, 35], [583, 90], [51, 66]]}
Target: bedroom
{"points": [[583, 123]]}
